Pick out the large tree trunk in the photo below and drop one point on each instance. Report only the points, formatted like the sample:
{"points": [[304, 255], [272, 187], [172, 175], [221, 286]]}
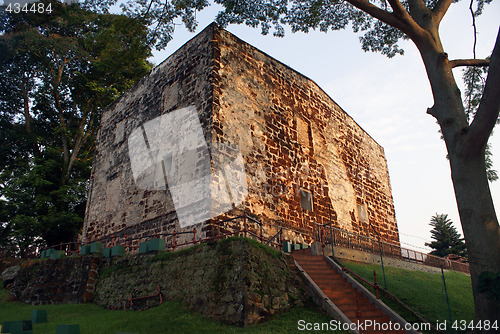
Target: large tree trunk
{"points": [[480, 226], [465, 143], [468, 170]]}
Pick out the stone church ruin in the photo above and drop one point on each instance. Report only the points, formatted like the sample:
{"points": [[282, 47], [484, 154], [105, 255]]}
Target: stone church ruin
{"points": [[267, 141]]}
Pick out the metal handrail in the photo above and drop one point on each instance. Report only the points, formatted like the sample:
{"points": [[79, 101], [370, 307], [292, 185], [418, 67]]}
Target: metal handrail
{"points": [[352, 240], [131, 299], [373, 285], [275, 236], [173, 245], [338, 237]]}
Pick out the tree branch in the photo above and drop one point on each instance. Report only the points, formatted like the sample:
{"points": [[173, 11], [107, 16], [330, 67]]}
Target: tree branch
{"points": [[440, 9], [489, 108], [378, 13], [474, 26], [78, 144], [399, 19], [420, 4], [398, 8], [469, 62]]}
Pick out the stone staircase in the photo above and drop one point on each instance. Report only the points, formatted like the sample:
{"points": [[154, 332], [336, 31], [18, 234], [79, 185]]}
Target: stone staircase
{"points": [[353, 303]]}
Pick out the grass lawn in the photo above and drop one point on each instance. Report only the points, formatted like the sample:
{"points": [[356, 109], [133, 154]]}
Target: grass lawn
{"points": [[424, 292], [171, 317]]}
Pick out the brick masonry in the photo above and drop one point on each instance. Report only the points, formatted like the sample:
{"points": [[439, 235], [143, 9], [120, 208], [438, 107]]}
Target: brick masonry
{"points": [[291, 134]]}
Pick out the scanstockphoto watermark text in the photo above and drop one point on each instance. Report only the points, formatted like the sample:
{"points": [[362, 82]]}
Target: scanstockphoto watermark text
{"points": [[336, 325], [457, 325]]}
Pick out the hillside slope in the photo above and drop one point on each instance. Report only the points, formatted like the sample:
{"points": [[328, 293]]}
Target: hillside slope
{"points": [[424, 292]]}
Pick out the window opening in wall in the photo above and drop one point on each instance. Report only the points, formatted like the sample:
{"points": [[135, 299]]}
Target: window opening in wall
{"points": [[306, 200], [362, 212]]}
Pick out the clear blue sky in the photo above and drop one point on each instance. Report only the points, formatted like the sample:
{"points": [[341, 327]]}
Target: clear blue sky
{"points": [[389, 99]]}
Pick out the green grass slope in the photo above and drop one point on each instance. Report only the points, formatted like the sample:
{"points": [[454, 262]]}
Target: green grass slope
{"points": [[170, 317], [424, 292]]}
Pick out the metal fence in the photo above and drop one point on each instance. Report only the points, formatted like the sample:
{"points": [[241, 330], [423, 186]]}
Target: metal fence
{"points": [[244, 225], [327, 234], [274, 235]]}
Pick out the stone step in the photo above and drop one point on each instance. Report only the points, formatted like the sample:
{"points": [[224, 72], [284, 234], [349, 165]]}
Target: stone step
{"points": [[351, 297], [332, 288], [309, 258], [314, 262], [371, 313], [365, 310], [348, 299], [322, 270], [340, 292], [306, 256], [309, 262], [333, 285], [326, 278]]}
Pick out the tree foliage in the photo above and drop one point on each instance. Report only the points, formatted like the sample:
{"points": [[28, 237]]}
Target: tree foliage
{"points": [[58, 72], [475, 79], [447, 239]]}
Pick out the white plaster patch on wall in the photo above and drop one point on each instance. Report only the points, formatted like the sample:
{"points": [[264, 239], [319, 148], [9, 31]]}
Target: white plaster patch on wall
{"points": [[170, 152]]}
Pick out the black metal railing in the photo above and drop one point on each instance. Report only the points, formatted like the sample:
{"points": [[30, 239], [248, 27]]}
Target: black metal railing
{"points": [[247, 226], [327, 234]]}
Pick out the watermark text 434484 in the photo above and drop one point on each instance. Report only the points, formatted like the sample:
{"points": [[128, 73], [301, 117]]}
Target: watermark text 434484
{"points": [[30, 6], [457, 325]]}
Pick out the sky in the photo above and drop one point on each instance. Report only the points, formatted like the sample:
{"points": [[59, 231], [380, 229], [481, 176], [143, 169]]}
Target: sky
{"points": [[388, 98]]}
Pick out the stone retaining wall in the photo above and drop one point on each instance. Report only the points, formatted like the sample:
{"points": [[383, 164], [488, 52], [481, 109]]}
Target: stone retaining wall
{"points": [[230, 281], [235, 280], [67, 280]]}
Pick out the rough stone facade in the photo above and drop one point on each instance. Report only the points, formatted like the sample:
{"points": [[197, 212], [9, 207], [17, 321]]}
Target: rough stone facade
{"points": [[69, 280], [294, 139], [232, 281]]}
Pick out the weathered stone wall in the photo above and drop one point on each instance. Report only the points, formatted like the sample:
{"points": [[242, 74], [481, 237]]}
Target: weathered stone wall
{"points": [[294, 136], [231, 281], [234, 281], [68, 280], [291, 134], [116, 204]]}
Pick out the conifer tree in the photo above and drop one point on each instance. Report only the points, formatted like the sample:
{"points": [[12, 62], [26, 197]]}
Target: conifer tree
{"points": [[447, 239]]}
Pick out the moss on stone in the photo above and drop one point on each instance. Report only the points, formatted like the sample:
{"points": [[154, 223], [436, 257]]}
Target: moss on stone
{"points": [[236, 280]]}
